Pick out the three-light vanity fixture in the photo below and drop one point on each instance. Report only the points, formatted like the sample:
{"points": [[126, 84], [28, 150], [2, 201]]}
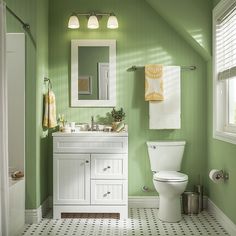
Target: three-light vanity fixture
{"points": [[93, 17]]}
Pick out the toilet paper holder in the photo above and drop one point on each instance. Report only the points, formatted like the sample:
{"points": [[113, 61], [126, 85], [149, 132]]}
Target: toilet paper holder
{"points": [[222, 175]]}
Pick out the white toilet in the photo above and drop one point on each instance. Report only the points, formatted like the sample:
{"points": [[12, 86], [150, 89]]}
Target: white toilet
{"points": [[165, 158]]}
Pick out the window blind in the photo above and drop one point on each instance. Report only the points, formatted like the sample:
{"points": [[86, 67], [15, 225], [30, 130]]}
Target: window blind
{"points": [[226, 44]]}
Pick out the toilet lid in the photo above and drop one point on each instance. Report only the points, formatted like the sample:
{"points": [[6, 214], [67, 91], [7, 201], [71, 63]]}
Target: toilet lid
{"points": [[170, 176]]}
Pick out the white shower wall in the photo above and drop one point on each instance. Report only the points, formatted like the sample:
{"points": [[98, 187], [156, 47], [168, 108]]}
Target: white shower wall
{"points": [[16, 128]]}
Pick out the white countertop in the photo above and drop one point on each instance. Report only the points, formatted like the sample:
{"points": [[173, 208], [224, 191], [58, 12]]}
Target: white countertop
{"points": [[90, 134]]}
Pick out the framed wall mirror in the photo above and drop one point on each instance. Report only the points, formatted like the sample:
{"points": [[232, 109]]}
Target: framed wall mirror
{"points": [[93, 73]]}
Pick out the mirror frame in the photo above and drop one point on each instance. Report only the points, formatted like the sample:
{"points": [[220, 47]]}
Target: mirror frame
{"points": [[75, 102]]}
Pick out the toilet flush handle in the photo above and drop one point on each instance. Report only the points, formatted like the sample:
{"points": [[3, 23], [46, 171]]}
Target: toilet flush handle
{"points": [[153, 147]]}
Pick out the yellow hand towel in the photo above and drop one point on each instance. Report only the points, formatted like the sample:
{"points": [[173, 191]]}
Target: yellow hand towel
{"points": [[49, 119], [154, 82]]}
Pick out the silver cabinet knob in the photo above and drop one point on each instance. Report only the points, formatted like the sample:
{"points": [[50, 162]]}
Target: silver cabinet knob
{"points": [[106, 168], [106, 194]]}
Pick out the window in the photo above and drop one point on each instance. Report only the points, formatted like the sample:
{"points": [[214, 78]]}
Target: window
{"points": [[224, 71], [232, 102]]}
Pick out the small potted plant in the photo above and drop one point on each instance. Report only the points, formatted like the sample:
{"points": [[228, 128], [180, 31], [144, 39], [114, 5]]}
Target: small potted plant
{"points": [[118, 116]]}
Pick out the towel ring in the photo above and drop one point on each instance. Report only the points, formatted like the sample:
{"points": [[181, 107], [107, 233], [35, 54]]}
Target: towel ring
{"points": [[49, 83]]}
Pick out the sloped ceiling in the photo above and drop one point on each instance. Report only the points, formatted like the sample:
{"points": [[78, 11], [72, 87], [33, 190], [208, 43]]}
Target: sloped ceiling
{"points": [[191, 19]]}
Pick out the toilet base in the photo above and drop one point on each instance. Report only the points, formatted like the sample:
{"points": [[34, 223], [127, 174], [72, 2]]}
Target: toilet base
{"points": [[170, 209]]}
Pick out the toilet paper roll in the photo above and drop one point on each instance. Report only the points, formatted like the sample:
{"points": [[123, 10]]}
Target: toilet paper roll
{"points": [[215, 176]]}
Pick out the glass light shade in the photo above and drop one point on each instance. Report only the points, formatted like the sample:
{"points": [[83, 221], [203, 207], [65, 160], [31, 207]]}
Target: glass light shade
{"points": [[93, 22], [112, 22], [73, 22]]}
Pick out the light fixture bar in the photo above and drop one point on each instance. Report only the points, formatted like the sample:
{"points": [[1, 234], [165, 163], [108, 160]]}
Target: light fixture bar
{"points": [[92, 12], [93, 18], [82, 14]]}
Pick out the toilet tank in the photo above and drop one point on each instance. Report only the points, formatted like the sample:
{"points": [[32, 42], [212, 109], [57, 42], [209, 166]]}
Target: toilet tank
{"points": [[165, 155]]}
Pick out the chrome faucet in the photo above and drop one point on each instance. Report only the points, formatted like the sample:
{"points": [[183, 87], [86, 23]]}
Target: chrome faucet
{"points": [[92, 123]]}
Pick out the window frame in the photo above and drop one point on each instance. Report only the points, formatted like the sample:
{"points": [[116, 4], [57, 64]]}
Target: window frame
{"points": [[222, 130]]}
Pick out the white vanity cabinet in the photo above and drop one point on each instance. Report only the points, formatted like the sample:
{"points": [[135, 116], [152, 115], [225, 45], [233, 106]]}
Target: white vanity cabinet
{"points": [[90, 171]]}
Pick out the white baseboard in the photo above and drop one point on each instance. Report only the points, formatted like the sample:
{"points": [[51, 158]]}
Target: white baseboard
{"points": [[222, 218], [143, 202], [34, 216], [150, 202]]}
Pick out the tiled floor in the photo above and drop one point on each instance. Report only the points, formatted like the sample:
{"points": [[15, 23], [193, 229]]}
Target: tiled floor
{"points": [[141, 222]]}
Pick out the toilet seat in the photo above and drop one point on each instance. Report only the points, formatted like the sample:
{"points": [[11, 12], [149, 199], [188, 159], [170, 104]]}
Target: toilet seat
{"points": [[170, 176]]}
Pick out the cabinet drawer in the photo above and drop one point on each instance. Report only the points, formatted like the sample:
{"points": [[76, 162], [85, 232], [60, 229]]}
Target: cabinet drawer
{"points": [[108, 166], [90, 145], [108, 192]]}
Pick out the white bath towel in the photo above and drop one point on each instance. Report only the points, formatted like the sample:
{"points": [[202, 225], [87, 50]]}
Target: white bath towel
{"points": [[167, 114]]}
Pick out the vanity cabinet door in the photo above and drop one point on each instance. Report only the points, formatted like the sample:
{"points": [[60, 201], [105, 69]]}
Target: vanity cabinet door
{"points": [[71, 179], [109, 166]]}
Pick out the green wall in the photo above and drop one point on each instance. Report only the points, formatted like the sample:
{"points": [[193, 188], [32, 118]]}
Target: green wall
{"points": [[220, 155], [41, 87], [36, 14], [143, 37], [215, 2]]}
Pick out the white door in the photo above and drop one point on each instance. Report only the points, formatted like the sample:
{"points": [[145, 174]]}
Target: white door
{"points": [[71, 179], [103, 74]]}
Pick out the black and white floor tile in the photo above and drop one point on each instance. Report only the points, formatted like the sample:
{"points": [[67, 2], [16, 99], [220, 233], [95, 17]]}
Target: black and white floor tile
{"points": [[141, 222]]}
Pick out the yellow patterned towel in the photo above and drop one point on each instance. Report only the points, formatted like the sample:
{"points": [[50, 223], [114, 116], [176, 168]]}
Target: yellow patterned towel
{"points": [[49, 118], [154, 82]]}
